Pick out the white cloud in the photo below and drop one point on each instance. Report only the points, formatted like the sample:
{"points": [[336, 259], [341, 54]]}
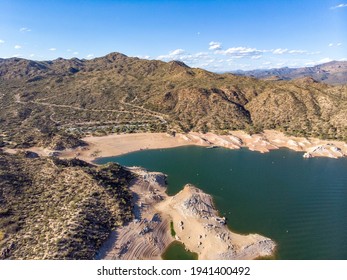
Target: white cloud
{"points": [[236, 57], [24, 29], [256, 57], [280, 51], [255, 53], [216, 62], [177, 52], [199, 59], [90, 55], [311, 63], [215, 45], [316, 62], [335, 45], [342, 5], [173, 55], [143, 56], [17, 47], [294, 64], [17, 55], [74, 53], [288, 51], [32, 55], [324, 60], [245, 66], [283, 51], [52, 49], [297, 51], [201, 55], [2, 41], [240, 52]]}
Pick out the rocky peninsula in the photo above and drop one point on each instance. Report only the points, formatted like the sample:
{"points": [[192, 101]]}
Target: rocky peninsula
{"points": [[190, 213]]}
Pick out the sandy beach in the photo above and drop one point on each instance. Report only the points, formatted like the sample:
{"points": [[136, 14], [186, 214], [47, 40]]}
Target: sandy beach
{"points": [[195, 221], [113, 145]]}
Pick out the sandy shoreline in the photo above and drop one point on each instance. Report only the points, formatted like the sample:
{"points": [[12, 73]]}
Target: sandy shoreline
{"points": [[113, 145], [147, 236], [195, 220]]}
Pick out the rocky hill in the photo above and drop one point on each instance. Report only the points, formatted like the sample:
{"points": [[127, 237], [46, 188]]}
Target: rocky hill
{"points": [[334, 73], [55, 103], [57, 209]]}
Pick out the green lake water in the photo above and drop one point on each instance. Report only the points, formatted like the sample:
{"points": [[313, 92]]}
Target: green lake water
{"points": [[299, 203], [177, 251]]}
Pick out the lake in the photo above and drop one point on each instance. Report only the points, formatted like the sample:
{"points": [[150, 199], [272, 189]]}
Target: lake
{"points": [[299, 203], [177, 251]]}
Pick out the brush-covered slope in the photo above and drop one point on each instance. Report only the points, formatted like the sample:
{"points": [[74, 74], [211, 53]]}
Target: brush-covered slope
{"points": [[56, 209], [56, 102]]}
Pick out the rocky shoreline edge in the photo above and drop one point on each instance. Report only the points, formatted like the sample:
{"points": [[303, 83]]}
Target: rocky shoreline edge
{"points": [[118, 144], [193, 217]]}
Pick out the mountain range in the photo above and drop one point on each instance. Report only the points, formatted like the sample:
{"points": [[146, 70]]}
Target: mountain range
{"points": [[334, 73], [55, 103]]}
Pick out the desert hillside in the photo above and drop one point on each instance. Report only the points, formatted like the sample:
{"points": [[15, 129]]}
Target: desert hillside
{"points": [[59, 209], [55, 103]]}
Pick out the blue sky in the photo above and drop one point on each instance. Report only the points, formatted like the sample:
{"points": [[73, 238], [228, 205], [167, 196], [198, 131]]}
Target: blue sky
{"points": [[214, 35]]}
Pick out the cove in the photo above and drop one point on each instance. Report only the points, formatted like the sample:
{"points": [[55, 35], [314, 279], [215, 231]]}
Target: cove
{"points": [[299, 203], [177, 251]]}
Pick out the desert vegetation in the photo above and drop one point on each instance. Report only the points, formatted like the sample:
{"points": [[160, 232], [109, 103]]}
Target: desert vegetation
{"points": [[69, 99], [59, 209]]}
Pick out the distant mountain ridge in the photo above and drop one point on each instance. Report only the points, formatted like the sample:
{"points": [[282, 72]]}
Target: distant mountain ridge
{"points": [[334, 73]]}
